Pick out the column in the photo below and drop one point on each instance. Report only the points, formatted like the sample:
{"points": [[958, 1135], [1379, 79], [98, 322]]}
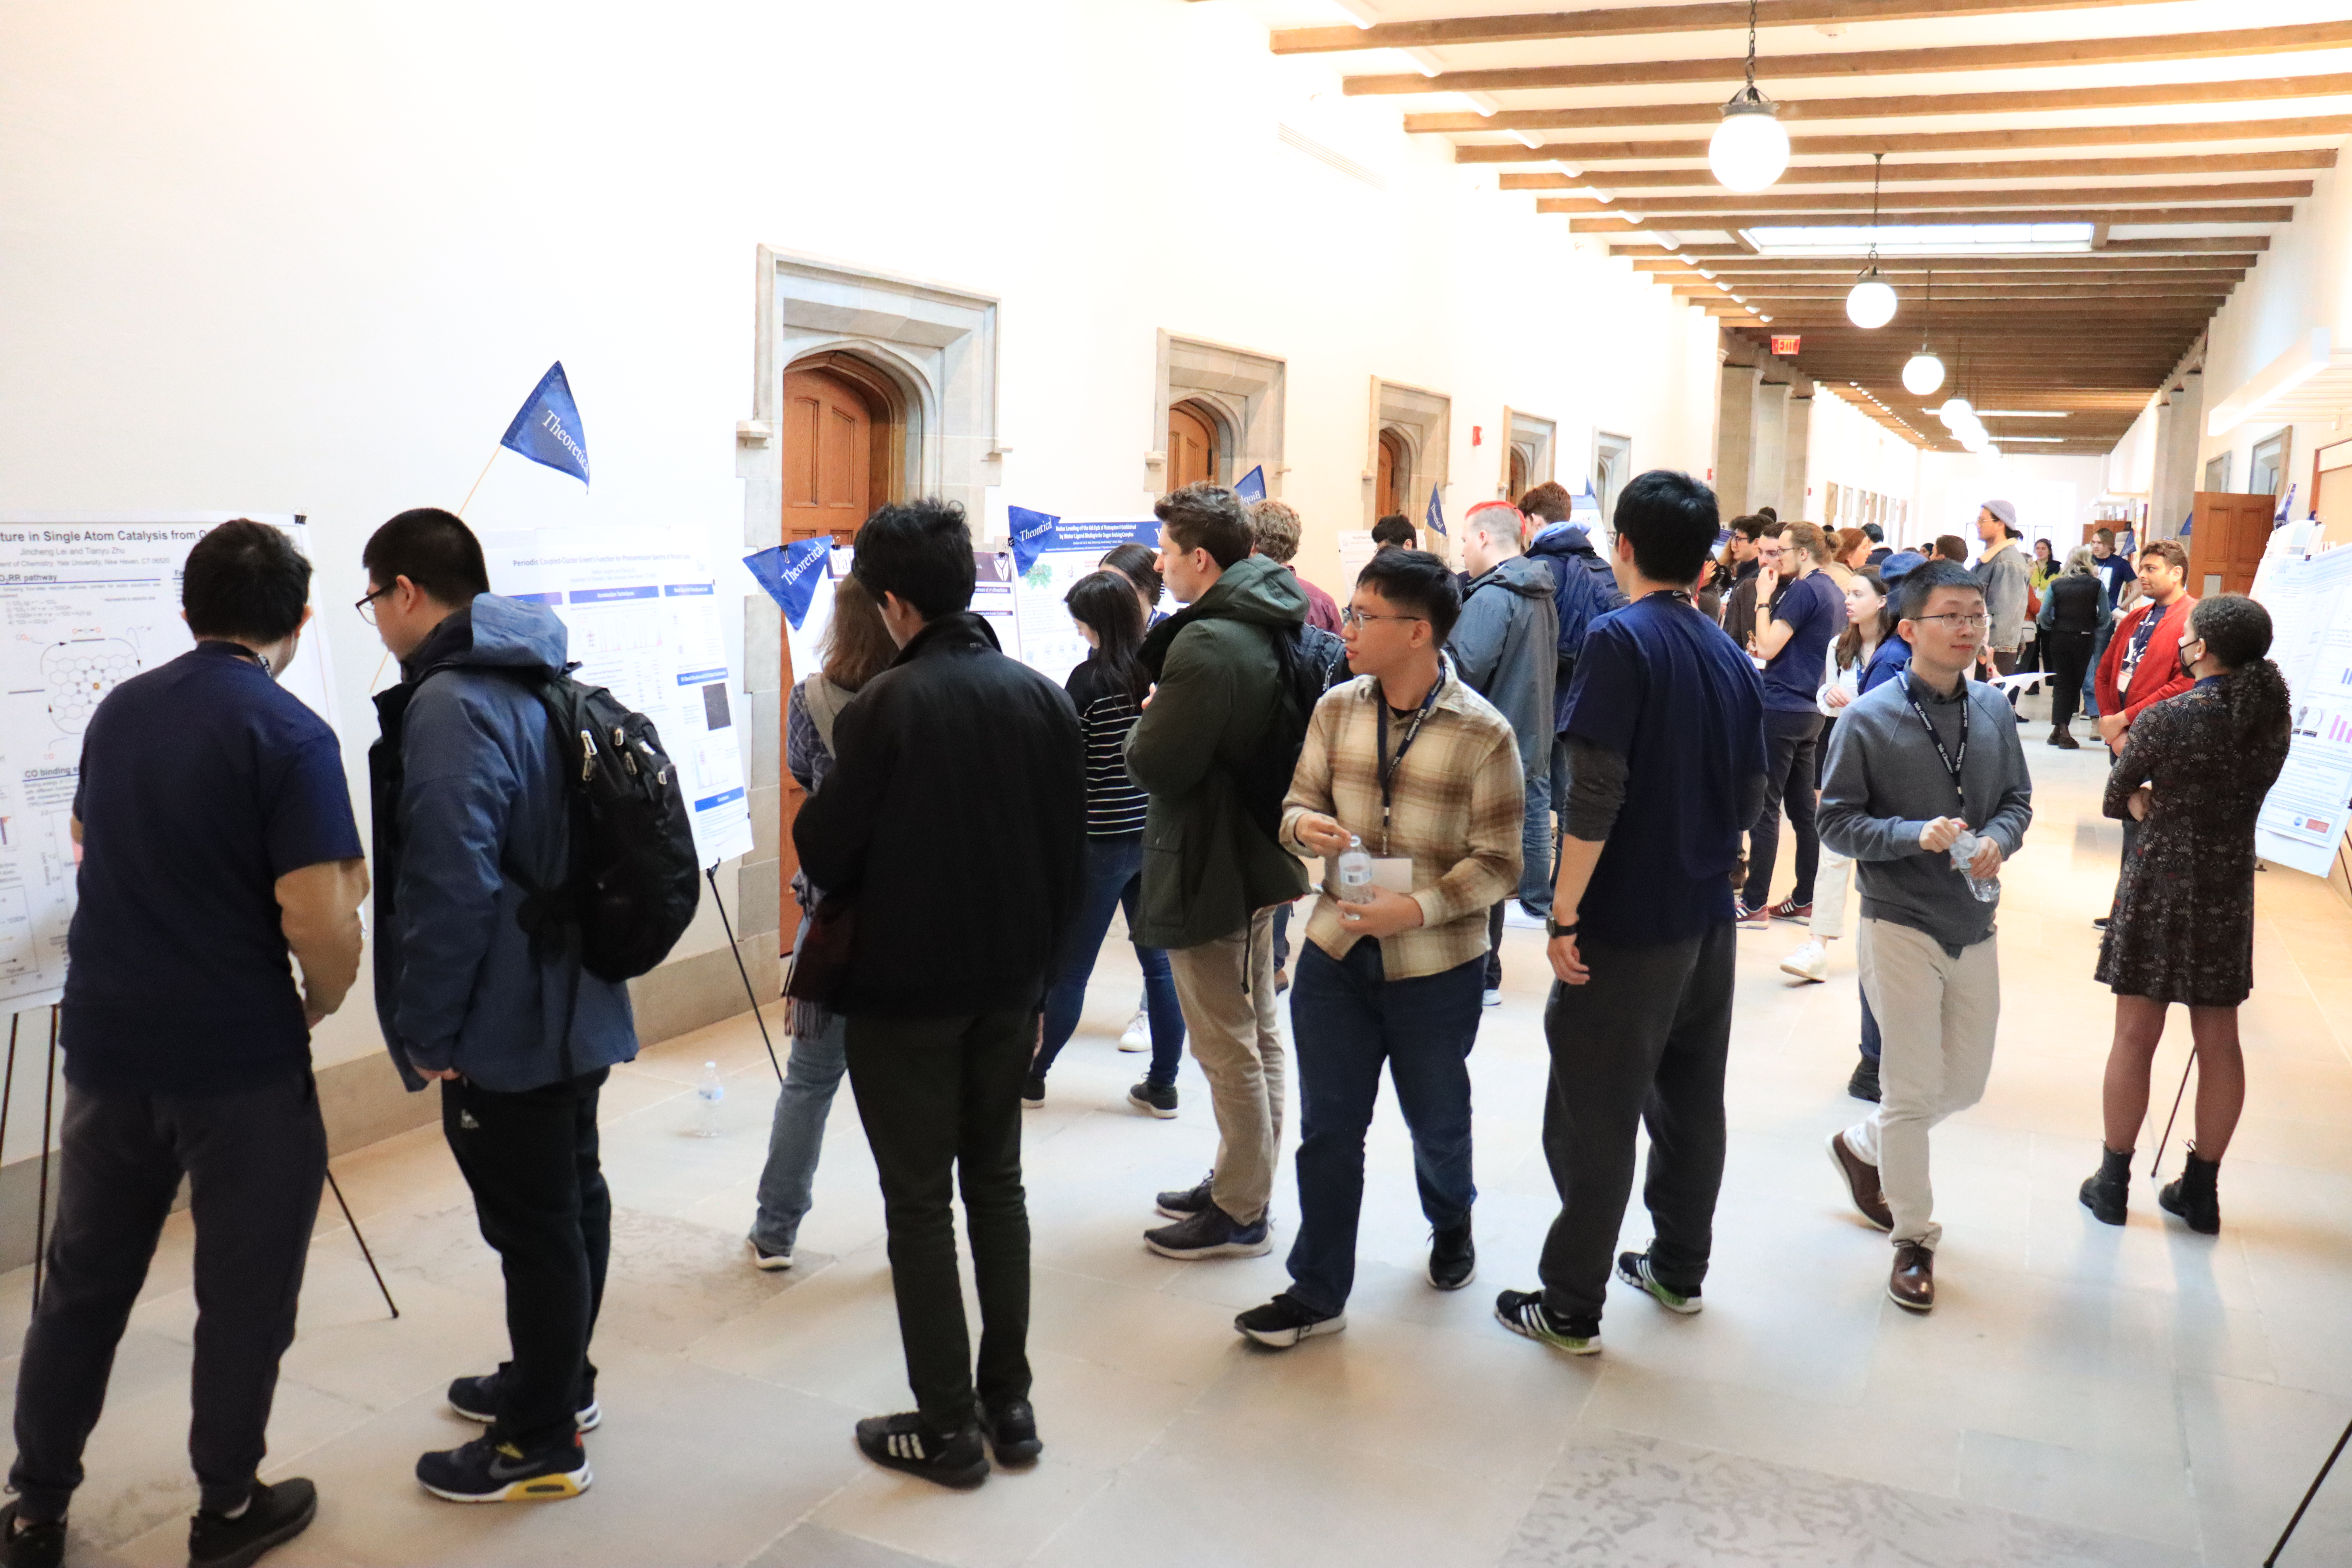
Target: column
{"points": [[1764, 466], [1735, 438], [1796, 446]]}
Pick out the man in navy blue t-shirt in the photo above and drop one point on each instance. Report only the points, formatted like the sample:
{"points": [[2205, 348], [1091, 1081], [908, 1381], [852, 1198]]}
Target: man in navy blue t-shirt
{"points": [[1794, 645], [1665, 739], [216, 836]]}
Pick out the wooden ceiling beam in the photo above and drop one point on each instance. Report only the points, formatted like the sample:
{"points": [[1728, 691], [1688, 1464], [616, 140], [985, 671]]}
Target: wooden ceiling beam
{"points": [[1583, 154], [2216, 249], [1592, 217], [2076, 169], [1706, 113], [1893, 204], [1871, 63], [1627, 21], [1960, 269]]}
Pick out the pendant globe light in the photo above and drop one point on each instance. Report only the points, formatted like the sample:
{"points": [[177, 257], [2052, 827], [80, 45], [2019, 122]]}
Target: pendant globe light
{"points": [[1871, 303], [1923, 371], [1750, 149]]}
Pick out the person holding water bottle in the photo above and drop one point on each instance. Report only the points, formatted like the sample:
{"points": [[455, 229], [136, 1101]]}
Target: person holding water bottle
{"points": [[1409, 784], [1927, 791]]}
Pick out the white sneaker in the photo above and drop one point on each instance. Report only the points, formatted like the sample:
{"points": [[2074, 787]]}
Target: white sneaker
{"points": [[1493, 999], [1809, 961], [1518, 917], [1136, 1036]]}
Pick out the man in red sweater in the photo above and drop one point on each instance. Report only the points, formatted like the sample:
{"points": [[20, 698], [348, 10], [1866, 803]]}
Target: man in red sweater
{"points": [[2142, 665]]}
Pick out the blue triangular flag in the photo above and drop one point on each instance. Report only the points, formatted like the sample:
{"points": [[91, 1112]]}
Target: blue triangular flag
{"points": [[547, 429], [1033, 534], [1435, 516], [1253, 485], [790, 573], [2287, 505]]}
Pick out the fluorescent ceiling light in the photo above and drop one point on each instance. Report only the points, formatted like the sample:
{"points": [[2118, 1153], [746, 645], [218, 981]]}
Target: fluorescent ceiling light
{"points": [[1527, 141], [1484, 103], [2020, 413], [1570, 170], [1424, 61], [1921, 240], [1360, 12], [1670, 241], [1722, 285]]}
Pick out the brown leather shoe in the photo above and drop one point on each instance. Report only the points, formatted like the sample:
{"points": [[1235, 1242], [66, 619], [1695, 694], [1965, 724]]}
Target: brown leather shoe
{"points": [[1861, 1179], [1912, 1286]]}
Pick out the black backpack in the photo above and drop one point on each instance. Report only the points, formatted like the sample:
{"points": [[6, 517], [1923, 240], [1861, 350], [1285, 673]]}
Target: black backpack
{"points": [[1309, 662]]}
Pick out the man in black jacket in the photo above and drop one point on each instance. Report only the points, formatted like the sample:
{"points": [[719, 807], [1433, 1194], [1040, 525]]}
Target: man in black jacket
{"points": [[954, 820]]}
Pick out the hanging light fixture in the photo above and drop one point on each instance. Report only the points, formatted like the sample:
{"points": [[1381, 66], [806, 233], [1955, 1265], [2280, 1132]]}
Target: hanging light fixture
{"points": [[1872, 301], [1923, 371], [1750, 149]]}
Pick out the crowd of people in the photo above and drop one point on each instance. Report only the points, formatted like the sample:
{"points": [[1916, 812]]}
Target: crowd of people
{"points": [[1598, 739]]}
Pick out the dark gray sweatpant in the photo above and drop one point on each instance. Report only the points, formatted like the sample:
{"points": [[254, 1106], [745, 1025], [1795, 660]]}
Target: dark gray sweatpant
{"points": [[255, 1159], [1642, 1042]]}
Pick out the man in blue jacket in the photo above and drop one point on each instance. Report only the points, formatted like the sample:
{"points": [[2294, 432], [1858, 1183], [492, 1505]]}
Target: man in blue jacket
{"points": [[471, 814]]}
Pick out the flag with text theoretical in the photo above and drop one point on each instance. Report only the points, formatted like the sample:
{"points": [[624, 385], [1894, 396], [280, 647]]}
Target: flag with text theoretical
{"points": [[546, 430], [1033, 535], [1435, 516], [1253, 485], [790, 572]]}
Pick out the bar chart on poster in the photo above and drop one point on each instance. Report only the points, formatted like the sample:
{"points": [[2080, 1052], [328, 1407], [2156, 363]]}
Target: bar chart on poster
{"points": [[644, 622], [2303, 820], [85, 604]]}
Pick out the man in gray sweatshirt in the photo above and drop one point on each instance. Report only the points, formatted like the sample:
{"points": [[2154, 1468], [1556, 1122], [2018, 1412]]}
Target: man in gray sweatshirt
{"points": [[1914, 765]]}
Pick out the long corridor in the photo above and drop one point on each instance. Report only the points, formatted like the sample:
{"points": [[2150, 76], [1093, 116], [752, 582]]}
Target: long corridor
{"points": [[2080, 1394]]}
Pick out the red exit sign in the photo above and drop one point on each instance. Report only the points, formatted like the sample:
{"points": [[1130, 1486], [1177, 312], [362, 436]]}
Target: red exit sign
{"points": [[1786, 343]]}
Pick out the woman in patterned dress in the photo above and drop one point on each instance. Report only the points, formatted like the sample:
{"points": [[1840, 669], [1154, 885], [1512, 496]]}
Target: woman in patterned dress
{"points": [[2193, 772]]}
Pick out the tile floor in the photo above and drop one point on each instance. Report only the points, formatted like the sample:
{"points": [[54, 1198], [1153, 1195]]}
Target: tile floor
{"points": [[2082, 1396]]}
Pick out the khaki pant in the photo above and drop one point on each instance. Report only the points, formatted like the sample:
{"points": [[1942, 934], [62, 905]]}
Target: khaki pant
{"points": [[1935, 1016], [1226, 990]]}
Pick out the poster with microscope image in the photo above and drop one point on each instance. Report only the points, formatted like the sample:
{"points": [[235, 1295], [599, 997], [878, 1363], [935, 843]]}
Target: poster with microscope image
{"points": [[644, 619], [85, 604], [2303, 817]]}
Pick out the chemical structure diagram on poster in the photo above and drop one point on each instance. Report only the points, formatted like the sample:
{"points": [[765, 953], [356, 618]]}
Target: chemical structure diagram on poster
{"points": [[644, 621], [85, 604], [2303, 817]]}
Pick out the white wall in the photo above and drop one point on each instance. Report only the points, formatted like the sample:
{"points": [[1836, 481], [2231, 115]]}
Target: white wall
{"points": [[1846, 448], [272, 256], [2052, 495]]}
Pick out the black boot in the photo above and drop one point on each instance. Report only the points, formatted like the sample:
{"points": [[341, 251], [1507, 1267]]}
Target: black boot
{"points": [[2193, 1197], [2104, 1194], [1863, 1084]]}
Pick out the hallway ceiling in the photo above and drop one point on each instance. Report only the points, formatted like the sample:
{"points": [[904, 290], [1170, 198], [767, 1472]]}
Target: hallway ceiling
{"points": [[2183, 131]]}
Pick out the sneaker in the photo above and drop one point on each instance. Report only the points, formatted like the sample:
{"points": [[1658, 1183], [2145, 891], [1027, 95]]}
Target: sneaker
{"points": [[1633, 1267], [30, 1545], [1153, 1099], [1184, 1205], [1284, 1321], [477, 1398], [1746, 919], [1518, 917], [1212, 1232], [1524, 1312], [1281, 981], [1032, 1093], [763, 1259], [1810, 961], [1790, 910], [2099, 922], [485, 1471], [1863, 1084], [1136, 1036], [1453, 1257], [1861, 1179], [902, 1442], [1912, 1283], [1493, 998], [1012, 1432], [272, 1517]]}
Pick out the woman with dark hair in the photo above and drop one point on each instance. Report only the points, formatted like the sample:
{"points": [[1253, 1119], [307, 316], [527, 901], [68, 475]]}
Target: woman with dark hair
{"points": [[2074, 611], [1139, 564], [1869, 621], [1108, 690], [2193, 772], [856, 647]]}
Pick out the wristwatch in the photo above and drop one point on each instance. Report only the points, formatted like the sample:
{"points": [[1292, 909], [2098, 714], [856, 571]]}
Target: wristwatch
{"points": [[1553, 928]]}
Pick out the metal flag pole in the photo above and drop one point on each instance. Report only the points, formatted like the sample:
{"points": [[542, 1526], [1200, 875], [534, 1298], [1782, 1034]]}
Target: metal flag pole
{"points": [[8, 1083], [2334, 1453], [41, 1211], [711, 872], [337, 1190], [2156, 1162]]}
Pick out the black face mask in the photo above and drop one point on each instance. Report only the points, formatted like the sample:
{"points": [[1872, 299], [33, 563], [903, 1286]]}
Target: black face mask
{"points": [[2187, 665]]}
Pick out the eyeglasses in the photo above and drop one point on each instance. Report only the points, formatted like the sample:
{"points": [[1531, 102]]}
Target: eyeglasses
{"points": [[1353, 617], [1959, 623], [365, 604]]}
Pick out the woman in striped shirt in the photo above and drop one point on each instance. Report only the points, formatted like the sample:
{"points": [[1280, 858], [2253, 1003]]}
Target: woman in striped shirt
{"points": [[1108, 690]]}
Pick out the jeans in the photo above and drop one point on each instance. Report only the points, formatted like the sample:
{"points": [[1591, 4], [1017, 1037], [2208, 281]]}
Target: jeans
{"points": [[1536, 847], [1114, 881], [1643, 1042], [1789, 744], [255, 1160], [2099, 642], [1346, 1019], [940, 1099], [796, 1137], [530, 1158], [1941, 1008]]}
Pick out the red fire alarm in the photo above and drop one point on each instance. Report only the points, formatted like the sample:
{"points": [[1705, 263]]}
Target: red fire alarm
{"points": [[1786, 345], [1477, 435]]}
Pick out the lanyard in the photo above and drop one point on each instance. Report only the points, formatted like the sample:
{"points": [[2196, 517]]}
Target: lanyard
{"points": [[1389, 766], [1952, 764]]}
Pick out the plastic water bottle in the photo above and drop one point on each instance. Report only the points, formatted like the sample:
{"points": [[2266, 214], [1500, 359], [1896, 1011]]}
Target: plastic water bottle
{"points": [[1355, 873], [1964, 849], [707, 1094]]}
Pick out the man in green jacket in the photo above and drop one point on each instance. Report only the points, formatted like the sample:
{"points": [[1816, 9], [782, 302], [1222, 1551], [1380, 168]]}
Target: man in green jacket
{"points": [[1215, 735]]}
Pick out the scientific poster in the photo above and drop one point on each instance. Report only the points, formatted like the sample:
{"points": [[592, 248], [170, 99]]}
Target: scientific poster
{"points": [[2303, 820], [1051, 643], [85, 604], [644, 623]]}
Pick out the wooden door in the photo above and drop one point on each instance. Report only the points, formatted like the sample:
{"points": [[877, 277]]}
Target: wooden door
{"points": [[1518, 482], [1191, 448], [1395, 472], [2226, 541], [828, 449], [2331, 487]]}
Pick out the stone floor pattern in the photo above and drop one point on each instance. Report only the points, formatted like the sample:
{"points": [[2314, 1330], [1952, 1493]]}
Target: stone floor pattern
{"points": [[2082, 1396]]}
